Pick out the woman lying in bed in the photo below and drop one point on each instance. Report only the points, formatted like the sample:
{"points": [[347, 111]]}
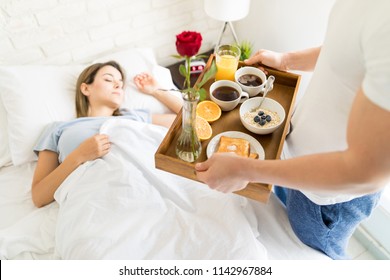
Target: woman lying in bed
{"points": [[66, 145]]}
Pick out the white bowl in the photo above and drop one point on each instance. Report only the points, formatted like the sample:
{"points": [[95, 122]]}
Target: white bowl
{"points": [[268, 104]]}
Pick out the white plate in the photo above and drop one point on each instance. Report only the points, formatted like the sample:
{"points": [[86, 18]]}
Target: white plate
{"points": [[255, 145]]}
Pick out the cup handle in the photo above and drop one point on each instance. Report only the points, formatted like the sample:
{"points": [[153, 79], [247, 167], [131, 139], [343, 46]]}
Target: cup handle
{"points": [[263, 89], [244, 96]]}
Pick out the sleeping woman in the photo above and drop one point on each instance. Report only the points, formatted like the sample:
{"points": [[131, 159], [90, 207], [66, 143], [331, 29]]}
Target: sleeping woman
{"points": [[99, 95]]}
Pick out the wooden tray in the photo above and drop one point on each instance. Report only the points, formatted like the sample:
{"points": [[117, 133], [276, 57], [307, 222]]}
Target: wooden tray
{"points": [[284, 91]]}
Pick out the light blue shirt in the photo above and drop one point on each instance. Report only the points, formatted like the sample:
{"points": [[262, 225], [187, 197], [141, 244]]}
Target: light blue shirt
{"points": [[64, 137]]}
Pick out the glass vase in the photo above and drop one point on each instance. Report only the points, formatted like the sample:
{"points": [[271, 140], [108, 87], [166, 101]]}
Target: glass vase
{"points": [[188, 146]]}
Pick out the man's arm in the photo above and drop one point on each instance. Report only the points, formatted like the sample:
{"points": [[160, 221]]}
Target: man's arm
{"points": [[364, 167], [303, 60]]}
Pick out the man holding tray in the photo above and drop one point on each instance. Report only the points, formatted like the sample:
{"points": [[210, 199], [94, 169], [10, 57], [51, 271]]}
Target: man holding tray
{"points": [[337, 154]]}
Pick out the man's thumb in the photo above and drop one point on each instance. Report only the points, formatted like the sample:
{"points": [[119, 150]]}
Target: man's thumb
{"points": [[201, 166], [251, 60]]}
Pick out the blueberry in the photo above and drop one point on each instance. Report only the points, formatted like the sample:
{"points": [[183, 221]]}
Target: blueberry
{"points": [[262, 122], [263, 117], [260, 113], [268, 118], [256, 119]]}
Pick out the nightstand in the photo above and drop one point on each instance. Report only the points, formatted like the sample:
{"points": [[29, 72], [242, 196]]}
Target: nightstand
{"points": [[178, 79]]}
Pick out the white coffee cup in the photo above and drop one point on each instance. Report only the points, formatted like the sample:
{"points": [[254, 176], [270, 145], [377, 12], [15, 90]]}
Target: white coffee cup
{"points": [[225, 98], [253, 71]]}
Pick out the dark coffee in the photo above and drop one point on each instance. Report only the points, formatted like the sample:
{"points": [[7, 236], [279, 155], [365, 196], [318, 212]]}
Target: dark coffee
{"points": [[250, 80], [226, 93]]}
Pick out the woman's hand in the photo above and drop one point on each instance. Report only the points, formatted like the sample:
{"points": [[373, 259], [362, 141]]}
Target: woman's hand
{"points": [[146, 83], [92, 148], [269, 58], [49, 173]]}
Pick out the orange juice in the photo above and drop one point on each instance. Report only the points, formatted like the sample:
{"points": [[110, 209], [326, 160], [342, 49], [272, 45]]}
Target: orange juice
{"points": [[226, 59], [226, 67]]}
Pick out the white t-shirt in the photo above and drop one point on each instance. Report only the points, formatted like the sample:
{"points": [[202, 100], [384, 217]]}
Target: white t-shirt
{"points": [[355, 53]]}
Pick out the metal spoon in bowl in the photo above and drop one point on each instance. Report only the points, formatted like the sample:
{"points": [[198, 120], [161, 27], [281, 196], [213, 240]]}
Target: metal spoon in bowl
{"points": [[268, 88]]}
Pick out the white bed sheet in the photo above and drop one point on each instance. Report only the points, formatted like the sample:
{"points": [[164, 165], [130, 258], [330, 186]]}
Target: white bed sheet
{"points": [[16, 207]]}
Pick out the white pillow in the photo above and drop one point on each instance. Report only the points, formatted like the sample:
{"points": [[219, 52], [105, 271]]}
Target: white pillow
{"points": [[5, 155], [135, 61], [36, 95]]}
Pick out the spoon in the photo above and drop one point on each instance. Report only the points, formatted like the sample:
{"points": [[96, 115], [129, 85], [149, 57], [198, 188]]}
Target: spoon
{"points": [[170, 89], [268, 88]]}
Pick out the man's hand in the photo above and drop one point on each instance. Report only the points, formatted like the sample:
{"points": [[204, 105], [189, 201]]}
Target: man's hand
{"points": [[303, 60], [269, 58], [223, 172]]}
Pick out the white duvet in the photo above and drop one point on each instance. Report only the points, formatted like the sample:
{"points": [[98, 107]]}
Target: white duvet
{"points": [[121, 207]]}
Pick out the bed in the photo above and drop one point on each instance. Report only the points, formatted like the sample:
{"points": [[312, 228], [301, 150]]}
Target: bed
{"points": [[120, 206]]}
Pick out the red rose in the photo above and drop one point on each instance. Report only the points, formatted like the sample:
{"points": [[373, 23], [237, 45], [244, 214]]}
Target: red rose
{"points": [[188, 43]]}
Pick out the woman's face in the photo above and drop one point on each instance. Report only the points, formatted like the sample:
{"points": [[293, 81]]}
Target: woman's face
{"points": [[106, 90]]}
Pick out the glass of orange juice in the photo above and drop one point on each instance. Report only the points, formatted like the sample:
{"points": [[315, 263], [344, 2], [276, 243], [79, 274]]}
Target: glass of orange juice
{"points": [[226, 57]]}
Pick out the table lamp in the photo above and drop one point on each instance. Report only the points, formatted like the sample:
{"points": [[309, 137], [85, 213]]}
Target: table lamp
{"points": [[227, 11]]}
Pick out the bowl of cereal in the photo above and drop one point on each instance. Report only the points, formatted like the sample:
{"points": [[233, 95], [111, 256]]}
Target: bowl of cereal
{"points": [[262, 120]]}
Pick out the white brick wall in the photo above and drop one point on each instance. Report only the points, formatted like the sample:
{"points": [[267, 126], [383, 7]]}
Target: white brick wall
{"points": [[73, 31]]}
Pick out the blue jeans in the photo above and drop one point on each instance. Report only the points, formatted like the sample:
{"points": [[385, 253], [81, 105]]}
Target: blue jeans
{"points": [[326, 228]]}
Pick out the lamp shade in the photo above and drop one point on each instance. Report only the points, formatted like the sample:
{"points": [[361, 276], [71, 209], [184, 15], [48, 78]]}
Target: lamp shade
{"points": [[227, 10]]}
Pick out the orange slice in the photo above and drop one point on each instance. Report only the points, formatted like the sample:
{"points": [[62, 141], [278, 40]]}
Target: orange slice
{"points": [[203, 128], [208, 110]]}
